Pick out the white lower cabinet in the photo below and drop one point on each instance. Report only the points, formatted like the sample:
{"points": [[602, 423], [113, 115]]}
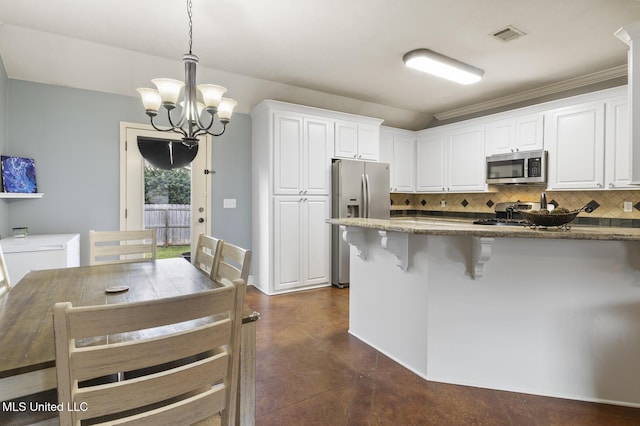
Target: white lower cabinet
{"points": [[302, 242], [37, 252]]}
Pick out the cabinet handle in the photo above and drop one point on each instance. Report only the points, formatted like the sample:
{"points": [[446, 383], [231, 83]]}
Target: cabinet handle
{"points": [[599, 185], [611, 185], [355, 156]]}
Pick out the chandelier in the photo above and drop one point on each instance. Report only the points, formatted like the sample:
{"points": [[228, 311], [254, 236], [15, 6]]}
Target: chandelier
{"points": [[189, 123]]}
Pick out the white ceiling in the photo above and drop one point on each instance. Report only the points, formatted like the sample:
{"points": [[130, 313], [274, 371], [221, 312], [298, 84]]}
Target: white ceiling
{"points": [[344, 55]]}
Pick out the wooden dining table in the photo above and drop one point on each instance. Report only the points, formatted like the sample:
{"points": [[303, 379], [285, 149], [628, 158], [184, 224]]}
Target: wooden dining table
{"points": [[27, 352]]}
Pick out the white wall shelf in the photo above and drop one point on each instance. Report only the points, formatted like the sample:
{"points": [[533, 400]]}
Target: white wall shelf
{"points": [[21, 195]]}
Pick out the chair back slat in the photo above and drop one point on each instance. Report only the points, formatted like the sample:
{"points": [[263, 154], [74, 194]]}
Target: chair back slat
{"points": [[234, 263], [107, 360], [112, 319], [207, 254], [122, 246], [150, 389]]}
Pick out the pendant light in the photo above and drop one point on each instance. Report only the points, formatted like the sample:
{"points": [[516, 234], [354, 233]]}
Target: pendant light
{"points": [[189, 123]]}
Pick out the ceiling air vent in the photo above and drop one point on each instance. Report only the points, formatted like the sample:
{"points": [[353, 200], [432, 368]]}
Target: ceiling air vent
{"points": [[508, 33]]}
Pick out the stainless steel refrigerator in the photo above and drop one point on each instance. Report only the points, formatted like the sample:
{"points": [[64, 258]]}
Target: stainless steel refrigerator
{"points": [[360, 189]]}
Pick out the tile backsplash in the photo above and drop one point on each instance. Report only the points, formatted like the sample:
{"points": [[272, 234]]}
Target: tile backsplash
{"points": [[610, 202]]}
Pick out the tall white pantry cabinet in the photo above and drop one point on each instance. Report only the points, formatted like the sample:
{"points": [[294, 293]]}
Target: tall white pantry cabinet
{"points": [[292, 149]]}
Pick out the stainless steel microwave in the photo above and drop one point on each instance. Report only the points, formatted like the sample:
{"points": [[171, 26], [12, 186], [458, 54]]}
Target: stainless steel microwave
{"points": [[522, 167]]}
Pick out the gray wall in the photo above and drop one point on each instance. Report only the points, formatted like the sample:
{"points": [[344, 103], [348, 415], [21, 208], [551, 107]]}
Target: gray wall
{"points": [[232, 179], [73, 136], [4, 208]]}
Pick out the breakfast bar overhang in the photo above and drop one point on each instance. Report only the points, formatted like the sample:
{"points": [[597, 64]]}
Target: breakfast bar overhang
{"points": [[541, 311]]}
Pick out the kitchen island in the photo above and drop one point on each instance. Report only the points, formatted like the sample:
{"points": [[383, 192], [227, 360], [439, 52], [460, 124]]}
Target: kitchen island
{"points": [[541, 311]]}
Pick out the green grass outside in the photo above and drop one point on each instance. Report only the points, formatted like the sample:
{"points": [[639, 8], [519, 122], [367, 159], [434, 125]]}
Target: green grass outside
{"points": [[171, 251]]}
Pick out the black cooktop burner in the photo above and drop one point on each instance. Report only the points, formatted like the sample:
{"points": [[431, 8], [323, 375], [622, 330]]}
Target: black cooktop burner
{"points": [[501, 222]]}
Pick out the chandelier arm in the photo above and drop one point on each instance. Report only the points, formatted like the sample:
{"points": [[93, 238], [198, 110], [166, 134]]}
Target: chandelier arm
{"points": [[203, 131], [177, 127], [206, 128], [171, 129]]}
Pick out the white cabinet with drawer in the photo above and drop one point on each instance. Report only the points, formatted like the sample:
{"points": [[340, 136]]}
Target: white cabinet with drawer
{"points": [[37, 252]]}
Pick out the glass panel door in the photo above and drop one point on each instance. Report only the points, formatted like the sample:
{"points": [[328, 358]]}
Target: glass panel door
{"points": [[175, 202]]}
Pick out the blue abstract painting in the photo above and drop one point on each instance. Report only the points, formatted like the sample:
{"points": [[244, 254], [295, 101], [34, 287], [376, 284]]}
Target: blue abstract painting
{"points": [[18, 174]]}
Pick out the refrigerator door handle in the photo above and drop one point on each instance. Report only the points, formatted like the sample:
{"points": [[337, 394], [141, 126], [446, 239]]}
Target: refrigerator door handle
{"points": [[366, 178], [365, 199]]}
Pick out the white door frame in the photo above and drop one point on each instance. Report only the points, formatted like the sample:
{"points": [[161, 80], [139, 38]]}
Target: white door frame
{"points": [[132, 181]]}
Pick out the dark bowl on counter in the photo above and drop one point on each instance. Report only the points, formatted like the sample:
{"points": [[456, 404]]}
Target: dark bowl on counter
{"points": [[549, 219]]}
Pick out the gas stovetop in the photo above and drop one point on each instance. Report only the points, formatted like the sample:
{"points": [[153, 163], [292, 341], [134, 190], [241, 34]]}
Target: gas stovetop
{"points": [[507, 214], [501, 222]]}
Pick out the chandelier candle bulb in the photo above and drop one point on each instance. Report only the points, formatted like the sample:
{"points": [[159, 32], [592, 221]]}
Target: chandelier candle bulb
{"points": [[211, 94], [225, 109], [151, 100], [169, 90]]}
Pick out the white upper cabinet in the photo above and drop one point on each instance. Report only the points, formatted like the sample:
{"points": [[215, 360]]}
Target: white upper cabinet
{"points": [[574, 139], [357, 141], [465, 159], [523, 133], [451, 161], [617, 168], [404, 164], [431, 166], [301, 157]]}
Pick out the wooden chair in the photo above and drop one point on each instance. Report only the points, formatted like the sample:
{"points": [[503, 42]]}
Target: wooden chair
{"points": [[234, 263], [5, 283], [207, 254], [194, 370], [111, 246]]}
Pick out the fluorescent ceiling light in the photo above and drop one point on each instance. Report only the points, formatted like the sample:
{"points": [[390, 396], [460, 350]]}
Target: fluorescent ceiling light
{"points": [[439, 65]]}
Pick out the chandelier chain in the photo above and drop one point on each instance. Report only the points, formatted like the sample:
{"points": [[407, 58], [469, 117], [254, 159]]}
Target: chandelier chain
{"points": [[190, 14]]}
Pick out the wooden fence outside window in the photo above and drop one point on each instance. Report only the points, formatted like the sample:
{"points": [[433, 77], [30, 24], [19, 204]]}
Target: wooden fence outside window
{"points": [[172, 222]]}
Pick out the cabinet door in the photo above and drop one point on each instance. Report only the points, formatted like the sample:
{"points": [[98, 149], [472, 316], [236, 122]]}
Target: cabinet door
{"points": [[287, 154], [317, 159], [575, 141], [316, 242], [529, 132], [617, 167], [465, 160], [430, 170], [404, 163], [346, 140], [386, 153], [501, 137], [368, 142], [287, 239]]}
